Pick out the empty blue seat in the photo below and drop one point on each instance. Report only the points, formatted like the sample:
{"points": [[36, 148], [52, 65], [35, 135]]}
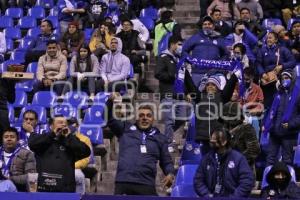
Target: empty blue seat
{"points": [[20, 99], [95, 115], [76, 98], [264, 140], [24, 43], [37, 12], [27, 22], [11, 114], [33, 32], [13, 33], [185, 175], [191, 153], [148, 22], [9, 44], [94, 132], [15, 13], [64, 109], [54, 20], [44, 98], [41, 111], [297, 156], [32, 67], [18, 55], [149, 12], [88, 33], [266, 171], [183, 191], [45, 3], [53, 11], [26, 86], [131, 72], [101, 97], [6, 21], [270, 22]]}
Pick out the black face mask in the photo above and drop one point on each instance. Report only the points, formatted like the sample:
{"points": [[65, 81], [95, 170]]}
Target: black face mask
{"points": [[247, 84], [281, 183]]}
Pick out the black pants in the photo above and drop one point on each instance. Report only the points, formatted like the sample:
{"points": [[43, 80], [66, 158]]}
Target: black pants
{"points": [[4, 122], [57, 88], [269, 93], [86, 85], [134, 189]]}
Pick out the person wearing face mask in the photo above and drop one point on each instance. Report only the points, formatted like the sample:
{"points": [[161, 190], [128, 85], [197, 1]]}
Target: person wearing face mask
{"points": [[283, 120], [131, 47], [83, 69], [165, 72], [223, 172], [280, 184], [239, 53], [272, 58], [206, 44], [243, 135]]}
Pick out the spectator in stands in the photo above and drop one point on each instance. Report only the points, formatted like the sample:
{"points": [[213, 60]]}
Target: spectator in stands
{"points": [[101, 38], [72, 40], [223, 172], [29, 125], [114, 66], [242, 35], [56, 154], [254, 97], [295, 40], [243, 135], [16, 161], [166, 25], [21, 3], [83, 71], [2, 46], [208, 98], [137, 162], [52, 67], [254, 8], [252, 25], [220, 25], [7, 95], [68, 11], [38, 46], [287, 9], [280, 184], [283, 121], [283, 36], [272, 9], [114, 12], [272, 57], [206, 44], [228, 9], [131, 47], [83, 163], [239, 53], [165, 72], [96, 11]]}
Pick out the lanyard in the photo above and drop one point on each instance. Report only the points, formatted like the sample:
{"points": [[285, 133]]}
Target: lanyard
{"points": [[144, 136], [6, 166], [218, 169]]}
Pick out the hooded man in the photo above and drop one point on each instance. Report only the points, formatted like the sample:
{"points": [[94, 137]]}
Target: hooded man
{"points": [[114, 65], [280, 185], [283, 120]]}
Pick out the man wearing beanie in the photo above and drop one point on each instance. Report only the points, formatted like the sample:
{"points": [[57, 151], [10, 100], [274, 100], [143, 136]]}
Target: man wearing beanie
{"points": [[206, 44], [283, 120], [208, 98]]}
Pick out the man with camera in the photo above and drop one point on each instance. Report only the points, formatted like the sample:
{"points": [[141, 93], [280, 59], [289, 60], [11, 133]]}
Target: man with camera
{"points": [[56, 154]]}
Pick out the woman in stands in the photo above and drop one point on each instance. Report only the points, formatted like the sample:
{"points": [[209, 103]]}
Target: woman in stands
{"points": [[71, 40], [83, 68]]}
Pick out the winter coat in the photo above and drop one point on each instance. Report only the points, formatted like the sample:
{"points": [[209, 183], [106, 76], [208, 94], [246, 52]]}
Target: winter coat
{"points": [[72, 42], [7, 93], [254, 7], [40, 42], [129, 41], [237, 178]]}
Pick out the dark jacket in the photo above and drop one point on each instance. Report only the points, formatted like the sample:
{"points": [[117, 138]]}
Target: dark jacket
{"points": [[22, 164], [289, 4], [205, 47], [204, 108], [72, 42], [40, 42], [130, 41], [290, 189], [244, 140], [56, 159], [134, 166], [266, 59], [236, 175], [7, 93], [274, 5], [165, 72], [223, 28]]}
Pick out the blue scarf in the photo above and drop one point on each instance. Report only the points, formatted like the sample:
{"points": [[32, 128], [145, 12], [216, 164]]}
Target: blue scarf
{"points": [[287, 112], [207, 64], [6, 166]]}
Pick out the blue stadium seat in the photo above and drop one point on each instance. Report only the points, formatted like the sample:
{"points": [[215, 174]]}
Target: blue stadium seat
{"points": [[6, 22], [101, 97], [94, 132], [54, 20], [289, 25], [297, 156], [20, 99], [41, 111], [149, 12], [5, 64], [53, 11], [269, 22], [37, 12], [33, 32], [95, 115], [183, 191], [44, 98], [32, 67], [266, 171], [191, 153], [264, 141], [11, 114], [131, 72], [88, 34], [13, 33], [76, 99], [185, 175], [18, 55], [26, 86], [64, 109], [148, 22], [15, 13], [191, 133], [24, 43], [3, 68], [45, 3], [27, 22], [9, 44]]}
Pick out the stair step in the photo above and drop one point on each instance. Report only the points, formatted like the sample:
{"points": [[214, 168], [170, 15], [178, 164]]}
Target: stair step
{"points": [[185, 13], [185, 2], [187, 20], [188, 7]]}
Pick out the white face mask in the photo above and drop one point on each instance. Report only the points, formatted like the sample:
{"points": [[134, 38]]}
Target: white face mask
{"points": [[178, 50]]}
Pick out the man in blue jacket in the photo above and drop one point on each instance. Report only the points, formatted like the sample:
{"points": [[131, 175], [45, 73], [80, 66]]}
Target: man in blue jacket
{"points": [[223, 172], [141, 146]]}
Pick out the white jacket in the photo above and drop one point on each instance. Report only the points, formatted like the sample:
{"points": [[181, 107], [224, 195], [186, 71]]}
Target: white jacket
{"points": [[2, 43]]}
